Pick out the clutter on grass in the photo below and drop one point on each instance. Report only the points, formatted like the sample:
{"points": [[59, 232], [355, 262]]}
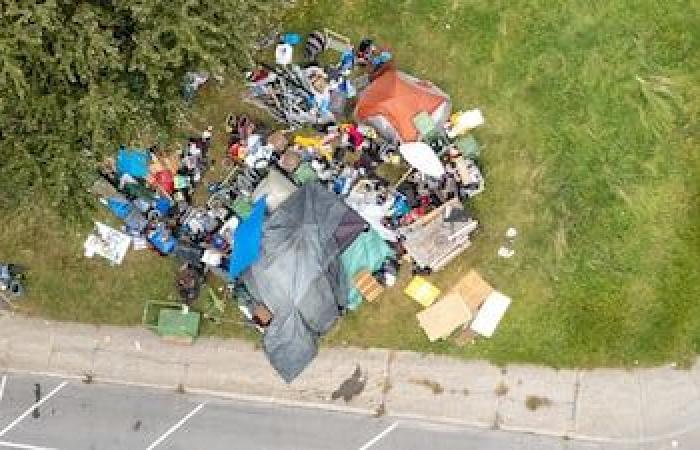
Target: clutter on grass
{"points": [[470, 298], [107, 242], [506, 250], [301, 227], [443, 317], [172, 321], [11, 286], [422, 291]]}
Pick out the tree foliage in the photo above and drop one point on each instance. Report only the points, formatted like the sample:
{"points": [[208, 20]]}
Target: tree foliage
{"points": [[78, 77]]}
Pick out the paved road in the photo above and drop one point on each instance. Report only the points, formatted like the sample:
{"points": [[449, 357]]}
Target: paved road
{"points": [[39, 412]]}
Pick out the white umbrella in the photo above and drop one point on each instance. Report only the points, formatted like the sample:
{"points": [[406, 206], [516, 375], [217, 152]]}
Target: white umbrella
{"points": [[421, 157]]}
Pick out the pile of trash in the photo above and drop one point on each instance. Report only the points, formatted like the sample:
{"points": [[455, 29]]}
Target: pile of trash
{"points": [[11, 285], [303, 226]]}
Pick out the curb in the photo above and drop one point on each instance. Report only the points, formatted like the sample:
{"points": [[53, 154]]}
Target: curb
{"points": [[198, 391]]}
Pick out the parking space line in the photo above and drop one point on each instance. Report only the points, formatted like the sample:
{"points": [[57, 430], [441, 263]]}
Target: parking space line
{"points": [[175, 427], [378, 437], [32, 408], [3, 382], [23, 446]]}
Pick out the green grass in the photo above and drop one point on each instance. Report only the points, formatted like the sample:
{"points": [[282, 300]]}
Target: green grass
{"points": [[590, 150]]}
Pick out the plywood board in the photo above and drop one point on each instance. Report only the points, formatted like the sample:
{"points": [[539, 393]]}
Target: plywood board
{"points": [[441, 319]]}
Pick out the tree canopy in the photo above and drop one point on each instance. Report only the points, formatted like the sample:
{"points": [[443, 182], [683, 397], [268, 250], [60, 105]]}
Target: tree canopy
{"points": [[79, 77]]}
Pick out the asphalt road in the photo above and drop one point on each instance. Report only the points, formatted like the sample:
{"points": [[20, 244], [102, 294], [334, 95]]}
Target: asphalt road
{"points": [[39, 412]]}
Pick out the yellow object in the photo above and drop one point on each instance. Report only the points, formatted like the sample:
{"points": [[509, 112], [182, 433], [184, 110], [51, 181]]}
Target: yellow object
{"points": [[422, 291], [327, 152], [313, 142]]}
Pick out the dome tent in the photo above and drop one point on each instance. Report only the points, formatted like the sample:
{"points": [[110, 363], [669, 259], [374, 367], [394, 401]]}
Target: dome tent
{"points": [[394, 98]]}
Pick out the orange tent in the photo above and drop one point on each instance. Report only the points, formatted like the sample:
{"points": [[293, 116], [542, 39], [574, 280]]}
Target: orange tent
{"points": [[394, 98]]}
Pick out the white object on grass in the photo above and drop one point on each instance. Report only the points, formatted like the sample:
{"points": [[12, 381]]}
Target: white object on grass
{"points": [[108, 243], [490, 314], [466, 121], [283, 54], [511, 233], [140, 243], [420, 156], [505, 252]]}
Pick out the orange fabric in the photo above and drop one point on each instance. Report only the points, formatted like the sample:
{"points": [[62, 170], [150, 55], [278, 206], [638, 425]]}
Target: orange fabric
{"points": [[398, 100]]}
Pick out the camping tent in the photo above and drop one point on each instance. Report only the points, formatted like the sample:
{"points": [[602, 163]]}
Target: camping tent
{"points": [[299, 275], [393, 99], [368, 252]]}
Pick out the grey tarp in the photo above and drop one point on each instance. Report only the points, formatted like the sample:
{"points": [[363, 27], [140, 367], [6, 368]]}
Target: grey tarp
{"points": [[299, 275]]}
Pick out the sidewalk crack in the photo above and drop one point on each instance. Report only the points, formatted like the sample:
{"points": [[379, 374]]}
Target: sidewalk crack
{"points": [[577, 396]]}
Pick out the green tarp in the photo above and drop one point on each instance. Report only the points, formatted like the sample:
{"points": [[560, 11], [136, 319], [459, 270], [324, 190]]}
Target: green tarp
{"points": [[368, 252]]}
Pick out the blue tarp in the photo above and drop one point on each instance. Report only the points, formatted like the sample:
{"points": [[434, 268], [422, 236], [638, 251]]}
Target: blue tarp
{"points": [[133, 162], [246, 240]]}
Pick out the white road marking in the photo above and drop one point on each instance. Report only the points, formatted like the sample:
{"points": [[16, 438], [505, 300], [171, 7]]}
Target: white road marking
{"points": [[175, 427], [4, 444], [31, 408], [378, 437], [3, 382]]}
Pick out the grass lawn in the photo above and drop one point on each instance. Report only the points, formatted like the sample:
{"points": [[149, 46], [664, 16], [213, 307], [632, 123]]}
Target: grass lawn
{"points": [[591, 151]]}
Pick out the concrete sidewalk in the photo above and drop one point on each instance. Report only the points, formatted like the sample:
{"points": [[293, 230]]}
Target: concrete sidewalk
{"points": [[643, 408]]}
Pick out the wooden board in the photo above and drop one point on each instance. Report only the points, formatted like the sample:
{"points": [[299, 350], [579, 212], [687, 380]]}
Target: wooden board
{"points": [[473, 290], [442, 318], [368, 286]]}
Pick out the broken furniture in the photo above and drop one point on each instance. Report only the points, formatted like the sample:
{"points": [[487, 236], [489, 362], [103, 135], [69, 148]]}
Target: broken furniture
{"points": [[435, 239]]}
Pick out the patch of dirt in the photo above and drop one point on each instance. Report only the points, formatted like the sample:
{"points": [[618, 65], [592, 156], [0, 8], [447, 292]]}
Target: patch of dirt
{"points": [[430, 384], [386, 386], [501, 389], [533, 402], [381, 410]]}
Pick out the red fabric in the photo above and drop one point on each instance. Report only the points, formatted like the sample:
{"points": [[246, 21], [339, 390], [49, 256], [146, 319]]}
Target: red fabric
{"points": [[165, 180], [398, 99], [355, 137], [234, 151]]}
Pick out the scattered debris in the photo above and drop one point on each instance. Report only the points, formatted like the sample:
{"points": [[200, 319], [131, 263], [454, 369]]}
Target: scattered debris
{"points": [[507, 251], [342, 120], [381, 410]]}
